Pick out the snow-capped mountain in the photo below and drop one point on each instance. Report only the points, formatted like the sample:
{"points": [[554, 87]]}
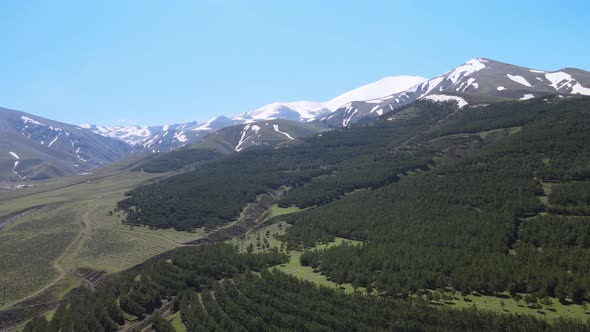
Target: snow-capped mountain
{"points": [[238, 138], [168, 138], [33, 147], [477, 78], [133, 135], [306, 111], [162, 138]]}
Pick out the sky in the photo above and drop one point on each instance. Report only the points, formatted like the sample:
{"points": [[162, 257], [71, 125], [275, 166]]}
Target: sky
{"points": [[113, 62]]}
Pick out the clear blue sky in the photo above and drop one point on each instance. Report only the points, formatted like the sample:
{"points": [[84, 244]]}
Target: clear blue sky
{"points": [[161, 62]]}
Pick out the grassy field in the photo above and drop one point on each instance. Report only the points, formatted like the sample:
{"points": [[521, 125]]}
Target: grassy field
{"points": [[45, 249], [176, 322], [266, 235], [504, 303], [295, 268]]}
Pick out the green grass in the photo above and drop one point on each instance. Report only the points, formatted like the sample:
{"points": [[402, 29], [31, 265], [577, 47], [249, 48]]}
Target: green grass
{"points": [[176, 322], [294, 266], [511, 131], [276, 211], [46, 245], [507, 304]]}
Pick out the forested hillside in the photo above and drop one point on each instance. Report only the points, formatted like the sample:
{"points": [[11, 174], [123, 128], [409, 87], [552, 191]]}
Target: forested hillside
{"points": [[213, 288], [321, 168], [471, 223], [488, 200]]}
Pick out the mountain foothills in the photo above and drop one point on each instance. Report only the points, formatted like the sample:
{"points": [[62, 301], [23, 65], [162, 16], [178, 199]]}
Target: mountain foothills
{"points": [[458, 203], [36, 148]]}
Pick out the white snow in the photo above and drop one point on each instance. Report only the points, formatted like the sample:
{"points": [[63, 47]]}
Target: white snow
{"points": [[255, 128], [561, 79], [165, 127], [150, 142], [470, 81], [579, 89], [14, 155], [527, 96], [381, 88], [519, 80], [310, 110], [133, 135], [557, 78], [54, 140], [466, 69], [276, 128], [206, 125], [14, 169], [500, 88], [243, 138], [441, 98], [26, 120], [102, 129], [537, 71], [346, 121], [180, 137], [85, 126], [431, 84]]}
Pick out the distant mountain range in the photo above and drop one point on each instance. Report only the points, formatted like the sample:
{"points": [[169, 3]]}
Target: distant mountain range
{"points": [[36, 148], [167, 138], [33, 147]]}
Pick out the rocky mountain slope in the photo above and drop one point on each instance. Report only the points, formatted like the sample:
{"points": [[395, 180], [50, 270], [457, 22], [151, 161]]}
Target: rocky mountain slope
{"points": [[264, 133], [32, 147], [477, 80]]}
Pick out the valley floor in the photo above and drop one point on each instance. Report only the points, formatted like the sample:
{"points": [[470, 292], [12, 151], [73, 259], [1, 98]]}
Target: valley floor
{"points": [[61, 234]]}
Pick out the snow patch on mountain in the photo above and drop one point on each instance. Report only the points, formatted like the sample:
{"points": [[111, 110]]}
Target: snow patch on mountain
{"points": [[558, 77], [381, 88], [14, 155], [180, 137], [245, 136], [26, 120], [442, 98], [466, 69], [53, 141], [519, 79], [276, 128], [527, 96], [579, 89], [561, 79], [310, 110]]}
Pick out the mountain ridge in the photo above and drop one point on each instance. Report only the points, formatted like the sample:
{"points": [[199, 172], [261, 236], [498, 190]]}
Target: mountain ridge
{"points": [[38, 148], [477, 77], [148, 137]]}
